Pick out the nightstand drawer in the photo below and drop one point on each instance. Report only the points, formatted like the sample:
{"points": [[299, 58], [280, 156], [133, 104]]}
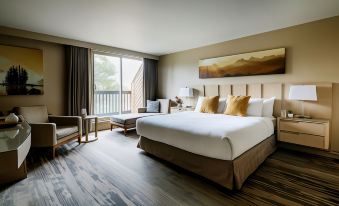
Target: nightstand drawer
{"points": [[304, 127], [303, 139]]}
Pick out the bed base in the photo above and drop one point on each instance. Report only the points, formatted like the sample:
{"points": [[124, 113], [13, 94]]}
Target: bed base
{"points": [[230, 174]]}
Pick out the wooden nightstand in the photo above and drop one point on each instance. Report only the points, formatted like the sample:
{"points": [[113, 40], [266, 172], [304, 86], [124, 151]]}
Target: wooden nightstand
{"points": [[307, 132], [181, 109]]}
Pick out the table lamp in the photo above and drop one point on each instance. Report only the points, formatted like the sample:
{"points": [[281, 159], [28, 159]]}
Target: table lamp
{"points": [[186, 92], [303, 93]]}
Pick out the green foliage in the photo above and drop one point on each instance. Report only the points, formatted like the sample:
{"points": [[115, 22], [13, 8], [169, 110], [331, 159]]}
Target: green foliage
{"points": [[16, 79], [106, 74]]}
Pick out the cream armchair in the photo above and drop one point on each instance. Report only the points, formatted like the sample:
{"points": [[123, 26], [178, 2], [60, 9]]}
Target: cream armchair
{"points": [[50, 131]]}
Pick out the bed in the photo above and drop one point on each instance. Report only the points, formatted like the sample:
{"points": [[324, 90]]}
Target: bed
{"points": [[224, 149]]}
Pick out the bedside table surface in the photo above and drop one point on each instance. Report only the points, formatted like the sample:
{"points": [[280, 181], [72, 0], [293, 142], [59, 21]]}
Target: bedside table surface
{"points": [[303, 120]]}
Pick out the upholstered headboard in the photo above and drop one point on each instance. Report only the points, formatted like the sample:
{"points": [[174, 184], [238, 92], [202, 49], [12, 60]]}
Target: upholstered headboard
{"points": [[254, 90], [322, 108]]}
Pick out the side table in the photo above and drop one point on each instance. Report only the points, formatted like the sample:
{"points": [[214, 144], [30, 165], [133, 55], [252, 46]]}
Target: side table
{"points": [[87, 120]]}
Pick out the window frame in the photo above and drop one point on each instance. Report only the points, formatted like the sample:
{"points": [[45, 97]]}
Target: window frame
{"points": [[120, 56]]}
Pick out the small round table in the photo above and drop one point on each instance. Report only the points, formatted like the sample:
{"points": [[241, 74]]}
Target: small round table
{"points": [[87, 120]]}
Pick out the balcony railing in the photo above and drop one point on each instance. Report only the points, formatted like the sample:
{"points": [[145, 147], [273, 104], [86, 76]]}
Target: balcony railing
{"points": [[108, 102]]}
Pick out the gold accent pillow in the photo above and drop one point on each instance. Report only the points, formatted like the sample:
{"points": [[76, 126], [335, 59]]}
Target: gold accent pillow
{"points": [[210, 105], [237, 105]]}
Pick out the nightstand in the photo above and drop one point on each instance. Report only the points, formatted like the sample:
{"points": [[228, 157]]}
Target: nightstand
{"points": [[306, 132], [181, 109]]}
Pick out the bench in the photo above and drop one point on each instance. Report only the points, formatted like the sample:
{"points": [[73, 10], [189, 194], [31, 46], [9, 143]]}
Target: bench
{"points": [[128, 121]]}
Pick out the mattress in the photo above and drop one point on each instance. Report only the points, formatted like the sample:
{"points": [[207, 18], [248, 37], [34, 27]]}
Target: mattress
{"points": [[217, 136]]}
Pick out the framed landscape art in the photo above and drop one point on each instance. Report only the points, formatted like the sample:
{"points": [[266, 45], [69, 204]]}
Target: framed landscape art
{"points": [[21, 71], [247, 64]]}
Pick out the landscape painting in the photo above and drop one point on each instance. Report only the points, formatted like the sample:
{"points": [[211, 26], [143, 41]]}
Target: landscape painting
{"points": [[254, 63], [21, 71]]}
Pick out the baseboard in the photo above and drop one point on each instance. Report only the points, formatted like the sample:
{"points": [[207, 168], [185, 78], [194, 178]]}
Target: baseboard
{"points": [[308, 150]]}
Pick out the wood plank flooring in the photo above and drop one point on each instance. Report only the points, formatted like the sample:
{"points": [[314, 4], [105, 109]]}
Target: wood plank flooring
{"points": [[112, 171]]}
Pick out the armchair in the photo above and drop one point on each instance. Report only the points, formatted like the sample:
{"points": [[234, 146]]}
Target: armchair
{"points": [[50, 131]]}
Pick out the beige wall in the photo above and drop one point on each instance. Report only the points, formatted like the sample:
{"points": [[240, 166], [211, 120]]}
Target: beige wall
{"points": [[312, 55], [55, 74], [55, 78]]}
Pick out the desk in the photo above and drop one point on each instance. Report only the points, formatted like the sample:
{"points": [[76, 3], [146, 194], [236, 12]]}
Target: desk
{"points": [[87, 121], [15, 143]]}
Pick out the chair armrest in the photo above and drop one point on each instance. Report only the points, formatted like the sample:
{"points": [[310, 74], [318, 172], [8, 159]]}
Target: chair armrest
{"points": [[43, 134], [64, 120], [142, 110], [67, 121]]}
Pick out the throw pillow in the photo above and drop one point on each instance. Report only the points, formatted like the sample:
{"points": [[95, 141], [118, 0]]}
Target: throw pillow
{"points": [[199, 104], [255, 107], [237, 105], [210, 105], [268, 107], [153, 106]]}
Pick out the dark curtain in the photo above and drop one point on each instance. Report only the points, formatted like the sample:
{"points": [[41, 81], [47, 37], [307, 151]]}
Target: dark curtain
{"points": [[78, 79], [150, 79]]}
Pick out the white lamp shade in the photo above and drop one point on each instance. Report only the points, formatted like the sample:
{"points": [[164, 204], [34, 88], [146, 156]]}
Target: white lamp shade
{"points": [[186, 92], [303, 92]]}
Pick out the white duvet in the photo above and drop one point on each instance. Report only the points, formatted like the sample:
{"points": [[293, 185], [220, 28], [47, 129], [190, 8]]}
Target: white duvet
{"points": [[212, 135]]}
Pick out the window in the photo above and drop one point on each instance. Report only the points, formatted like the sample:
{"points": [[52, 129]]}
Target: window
{"points": [[118, 84]]}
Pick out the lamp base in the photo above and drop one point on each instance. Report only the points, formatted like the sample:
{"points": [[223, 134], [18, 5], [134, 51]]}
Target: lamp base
{"points": [[302, 116]]}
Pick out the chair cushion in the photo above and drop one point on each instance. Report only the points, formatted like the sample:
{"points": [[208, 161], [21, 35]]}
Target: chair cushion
{"points": [[153, 106], [63, 131], [34, 114], [126, 119]]}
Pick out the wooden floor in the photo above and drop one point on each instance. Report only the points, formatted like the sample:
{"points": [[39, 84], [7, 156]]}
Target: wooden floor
{"points": [[112, 171]]}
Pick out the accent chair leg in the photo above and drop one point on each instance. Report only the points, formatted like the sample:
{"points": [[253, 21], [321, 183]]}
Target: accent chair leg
{"points": [[53, 152], [125, 131], [79, 139], [111, 127]]}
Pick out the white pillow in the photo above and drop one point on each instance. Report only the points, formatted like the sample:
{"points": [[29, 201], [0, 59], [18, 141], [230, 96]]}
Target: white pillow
{"points": [[221, 106], [268, 107], [199, 104], [255, 107]]}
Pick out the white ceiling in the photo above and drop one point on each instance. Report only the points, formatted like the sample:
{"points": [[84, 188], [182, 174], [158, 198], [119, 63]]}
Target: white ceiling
{"points": [[160, 26]]}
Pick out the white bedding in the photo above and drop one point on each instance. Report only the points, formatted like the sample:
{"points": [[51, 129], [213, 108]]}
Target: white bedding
{"points": [[212, 135]]}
